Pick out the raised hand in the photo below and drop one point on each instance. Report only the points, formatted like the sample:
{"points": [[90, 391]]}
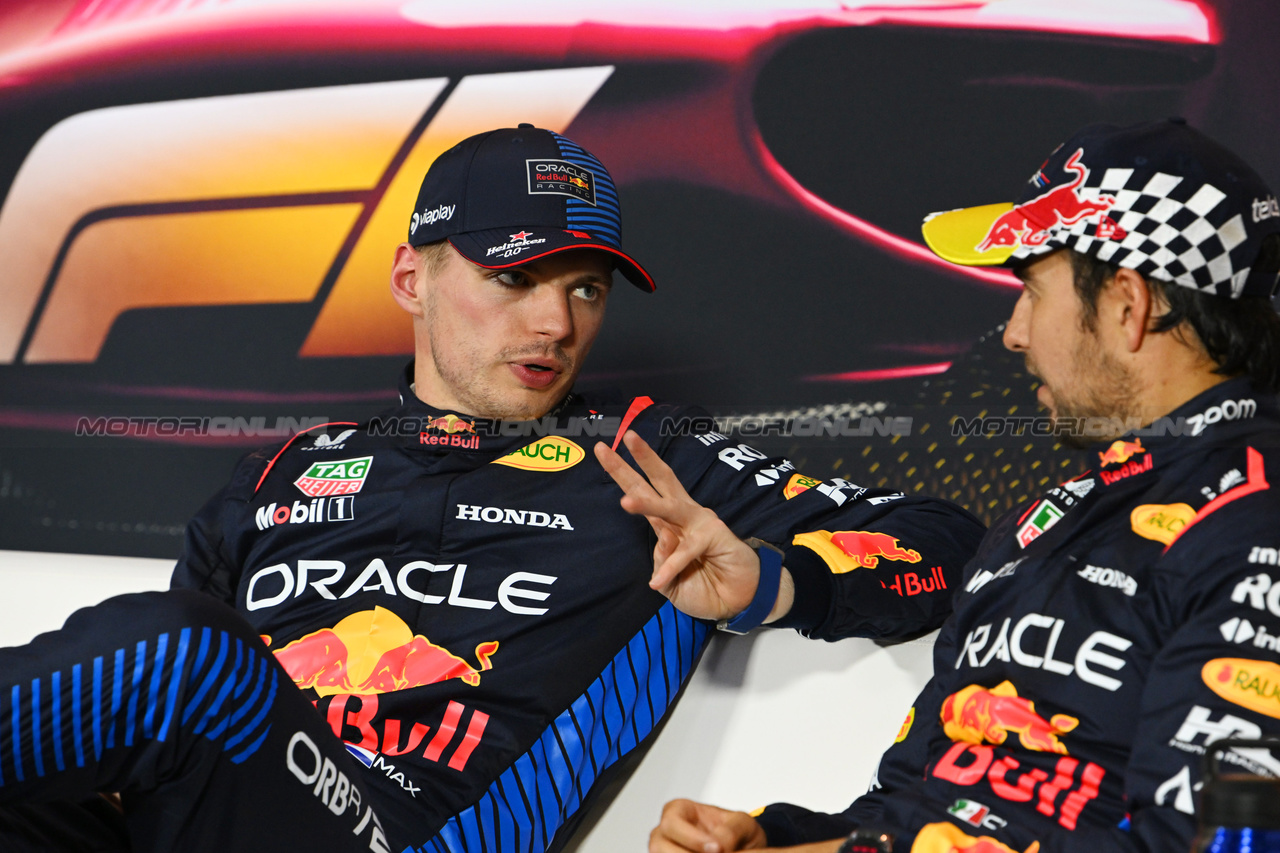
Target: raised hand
{"points": [[699, 564]]}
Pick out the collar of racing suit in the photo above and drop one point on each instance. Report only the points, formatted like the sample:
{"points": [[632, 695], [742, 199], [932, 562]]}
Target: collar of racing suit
{"points": [[443, 429], [1227, 412]]}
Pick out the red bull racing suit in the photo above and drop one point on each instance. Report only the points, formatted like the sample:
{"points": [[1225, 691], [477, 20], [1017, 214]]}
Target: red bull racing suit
{"points": [[466, 605], [1102, 638]]}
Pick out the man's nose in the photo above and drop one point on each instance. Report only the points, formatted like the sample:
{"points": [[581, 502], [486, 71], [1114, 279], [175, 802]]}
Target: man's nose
{"points": [[551, 313], [1016, 331]]}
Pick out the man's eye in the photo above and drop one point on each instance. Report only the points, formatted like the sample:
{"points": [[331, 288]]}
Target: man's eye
{"points": [[511, 278], [589, 292]]}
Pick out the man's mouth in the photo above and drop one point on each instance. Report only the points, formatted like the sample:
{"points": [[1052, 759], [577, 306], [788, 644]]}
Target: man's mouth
{"points": [[535, 374]]}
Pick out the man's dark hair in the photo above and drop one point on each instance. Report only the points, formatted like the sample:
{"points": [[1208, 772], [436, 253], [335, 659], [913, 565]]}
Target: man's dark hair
{"points": [[1242, 336]]}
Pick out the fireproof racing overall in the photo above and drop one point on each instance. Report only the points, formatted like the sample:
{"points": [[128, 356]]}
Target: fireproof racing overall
{"points": [[467, 606], [1103, 637]]}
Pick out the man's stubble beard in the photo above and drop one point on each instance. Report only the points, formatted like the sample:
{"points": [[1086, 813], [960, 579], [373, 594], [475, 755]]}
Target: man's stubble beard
{"points": [[1109, 393], [477, 399]]}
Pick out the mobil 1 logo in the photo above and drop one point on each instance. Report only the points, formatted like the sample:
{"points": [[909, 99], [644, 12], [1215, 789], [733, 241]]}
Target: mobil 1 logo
{"points": [[337, 508]]}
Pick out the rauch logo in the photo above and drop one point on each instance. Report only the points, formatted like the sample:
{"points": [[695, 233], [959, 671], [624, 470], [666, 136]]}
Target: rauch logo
{"points": [[546, 454]]}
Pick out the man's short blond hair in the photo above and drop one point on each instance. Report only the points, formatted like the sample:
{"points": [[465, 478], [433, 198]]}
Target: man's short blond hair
{"points": [[434, 256]]}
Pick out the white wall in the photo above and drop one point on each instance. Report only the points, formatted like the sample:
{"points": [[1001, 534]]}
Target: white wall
{"points": [[766, 718]]}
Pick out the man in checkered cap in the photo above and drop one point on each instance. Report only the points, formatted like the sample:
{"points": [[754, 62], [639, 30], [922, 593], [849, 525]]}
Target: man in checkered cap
{"points": [[1106, 633]]}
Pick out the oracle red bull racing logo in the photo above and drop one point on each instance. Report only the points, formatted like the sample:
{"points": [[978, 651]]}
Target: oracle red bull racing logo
{"points": [[560, 177], [1032, 223], [374, 651], [978, 715]]}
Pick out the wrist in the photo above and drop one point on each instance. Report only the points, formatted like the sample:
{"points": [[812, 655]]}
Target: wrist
{"points": [[786, 597], [765, 599], [867, 840]]}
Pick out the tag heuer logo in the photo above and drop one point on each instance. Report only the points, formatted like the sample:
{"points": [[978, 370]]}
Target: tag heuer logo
{"points": [[560, 177], [340, 477]]}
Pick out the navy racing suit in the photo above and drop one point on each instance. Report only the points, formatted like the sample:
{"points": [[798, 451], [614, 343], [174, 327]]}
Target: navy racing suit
{"points": [[467, 605], [1103, 636]]}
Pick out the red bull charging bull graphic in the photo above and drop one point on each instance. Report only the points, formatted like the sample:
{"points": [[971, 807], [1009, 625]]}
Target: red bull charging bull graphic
{"points": [[372, 652], [1121, 454], [1121, 451], [450, 424], [456, 432], [948, 838], [867, 548], [1029, 224], [847, 550], [978, 715]]}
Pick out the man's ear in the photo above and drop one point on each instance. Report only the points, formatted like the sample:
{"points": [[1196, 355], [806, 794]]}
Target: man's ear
{"points": [[404, 279], [1131, 304]]}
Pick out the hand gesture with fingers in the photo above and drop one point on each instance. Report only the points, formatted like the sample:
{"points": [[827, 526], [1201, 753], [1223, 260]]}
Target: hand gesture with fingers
{"points": [[699, 564]]}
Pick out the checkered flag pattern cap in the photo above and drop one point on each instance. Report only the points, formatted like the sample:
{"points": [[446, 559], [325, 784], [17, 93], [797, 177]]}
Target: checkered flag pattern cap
{"points": [[1163, 225], [1160, 198]]}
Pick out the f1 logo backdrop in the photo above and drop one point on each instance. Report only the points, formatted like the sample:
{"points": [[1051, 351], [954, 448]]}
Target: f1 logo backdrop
{"points": [[238, 199], [200, 201]]}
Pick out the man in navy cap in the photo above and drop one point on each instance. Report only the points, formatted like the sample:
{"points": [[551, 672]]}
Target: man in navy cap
{"points": [[1105, 635], [453, 585]]}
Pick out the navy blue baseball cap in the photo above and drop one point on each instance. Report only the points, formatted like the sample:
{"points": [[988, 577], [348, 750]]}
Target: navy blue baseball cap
{"points": [[509, 196], [1160, 197]]}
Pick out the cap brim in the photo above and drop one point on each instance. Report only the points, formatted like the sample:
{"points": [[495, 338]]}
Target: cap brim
{"points": [[957, 235], [496, 249]]}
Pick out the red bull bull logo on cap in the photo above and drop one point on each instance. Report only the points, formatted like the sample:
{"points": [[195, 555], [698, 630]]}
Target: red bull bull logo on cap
{"points": [[374, 651], [978, 715], [847, 550], [1032, 223]]}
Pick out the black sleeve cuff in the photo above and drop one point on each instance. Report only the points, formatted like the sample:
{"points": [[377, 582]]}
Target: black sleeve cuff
{"points": [[815, 589], [786, 825]]}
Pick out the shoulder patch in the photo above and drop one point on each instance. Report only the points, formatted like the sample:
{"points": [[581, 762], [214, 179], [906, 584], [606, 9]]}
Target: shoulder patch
{"points": [[1161, 522], [552, 453], [1252, 684]]}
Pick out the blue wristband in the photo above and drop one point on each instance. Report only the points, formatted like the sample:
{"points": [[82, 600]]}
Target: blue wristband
{"points": [[766, 590]]}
